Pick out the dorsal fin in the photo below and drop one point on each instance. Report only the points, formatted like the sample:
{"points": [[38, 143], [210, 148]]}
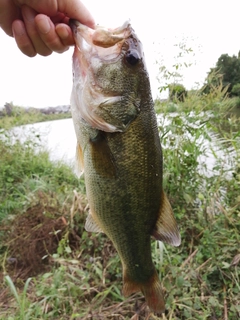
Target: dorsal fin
{"points": [[166, 228]]}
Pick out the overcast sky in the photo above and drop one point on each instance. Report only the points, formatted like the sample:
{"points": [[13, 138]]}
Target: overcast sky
{"points": [[209, 27]]}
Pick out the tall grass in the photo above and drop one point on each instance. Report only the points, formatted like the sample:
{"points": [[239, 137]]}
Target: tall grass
{"points": [[201, 278], [24, 173]]}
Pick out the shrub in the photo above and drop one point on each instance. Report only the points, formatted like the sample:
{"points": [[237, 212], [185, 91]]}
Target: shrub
{"points": [[236, 90], [177, 92]]}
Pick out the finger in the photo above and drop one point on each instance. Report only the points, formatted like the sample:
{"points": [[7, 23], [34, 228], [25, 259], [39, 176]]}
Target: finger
{"points": [[48, 7], [8, 13], [65, 34], [24, 43], [49, 35], [75, 9], [58, 18], [32, 31]]}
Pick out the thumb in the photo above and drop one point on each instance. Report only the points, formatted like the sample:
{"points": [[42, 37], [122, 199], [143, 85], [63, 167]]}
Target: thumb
{"points": [[75, 9]]}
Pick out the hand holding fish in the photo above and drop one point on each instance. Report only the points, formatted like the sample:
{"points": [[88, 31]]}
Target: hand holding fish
{"points": [[41, 26]]}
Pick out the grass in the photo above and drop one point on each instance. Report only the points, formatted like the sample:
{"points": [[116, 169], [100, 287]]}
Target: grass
{"points": [[20, 298], [19, 117], [66, 273], [207, 207], [25, 173]]}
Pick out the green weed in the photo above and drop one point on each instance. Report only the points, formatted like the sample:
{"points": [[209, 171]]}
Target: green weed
{"points": [[25, 173], [201, 278], [20, 298]]}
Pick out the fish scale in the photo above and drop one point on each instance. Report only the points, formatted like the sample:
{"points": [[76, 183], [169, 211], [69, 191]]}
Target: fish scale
{"points": [[120, 152]]}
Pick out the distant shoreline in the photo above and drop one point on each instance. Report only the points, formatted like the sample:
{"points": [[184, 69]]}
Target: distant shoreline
{"points": [[12, 116]]}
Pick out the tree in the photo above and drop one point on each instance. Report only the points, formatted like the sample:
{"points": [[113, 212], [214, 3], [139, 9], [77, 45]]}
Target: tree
{"points": [[227, 70]]}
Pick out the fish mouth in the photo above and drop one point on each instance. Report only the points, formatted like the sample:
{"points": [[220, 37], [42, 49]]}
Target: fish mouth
{"points": [[95, 49], [103, 42]]}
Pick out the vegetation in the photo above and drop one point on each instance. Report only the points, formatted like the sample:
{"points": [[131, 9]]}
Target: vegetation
{"points": [[177, 92], [228, 70], [236, 90], [183, 57], [51, 268], [19, 116]]}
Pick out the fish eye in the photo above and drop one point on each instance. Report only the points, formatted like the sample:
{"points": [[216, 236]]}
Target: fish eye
{"points": [[132, 57]]}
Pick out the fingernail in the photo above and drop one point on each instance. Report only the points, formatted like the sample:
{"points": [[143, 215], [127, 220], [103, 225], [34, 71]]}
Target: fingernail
{"points": [[44, 25]]}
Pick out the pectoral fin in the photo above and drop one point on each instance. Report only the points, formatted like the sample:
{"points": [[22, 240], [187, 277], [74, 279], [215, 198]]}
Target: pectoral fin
{"points": [[79, 160], [91, 225], [166, 228]]}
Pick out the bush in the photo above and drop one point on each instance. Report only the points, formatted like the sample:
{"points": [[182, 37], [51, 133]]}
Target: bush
{"points": [[177, 92], [236, 90]]}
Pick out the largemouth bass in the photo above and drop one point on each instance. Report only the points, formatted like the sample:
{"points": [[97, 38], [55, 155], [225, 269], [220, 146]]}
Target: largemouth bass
{"points": [[118, 148]]}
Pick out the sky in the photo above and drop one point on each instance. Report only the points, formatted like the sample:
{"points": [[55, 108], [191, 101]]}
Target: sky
{"points": [[210, 28]]}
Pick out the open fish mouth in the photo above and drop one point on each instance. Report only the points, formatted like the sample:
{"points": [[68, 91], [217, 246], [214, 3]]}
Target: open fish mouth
{"points": [[96, 40], [97, 50]]}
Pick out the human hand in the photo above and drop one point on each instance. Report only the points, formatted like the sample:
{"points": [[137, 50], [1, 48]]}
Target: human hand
{"points": [[41, 26]]}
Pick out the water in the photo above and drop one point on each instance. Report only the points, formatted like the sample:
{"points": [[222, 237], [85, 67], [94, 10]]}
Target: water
{"points": [[58, 138]]}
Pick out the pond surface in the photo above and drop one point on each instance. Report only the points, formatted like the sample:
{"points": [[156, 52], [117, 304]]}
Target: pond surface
{"points": [[58, 138]]}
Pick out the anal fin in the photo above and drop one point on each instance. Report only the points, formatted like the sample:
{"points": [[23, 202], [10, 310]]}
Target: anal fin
{"points": [[166, 228], [91, 225]]}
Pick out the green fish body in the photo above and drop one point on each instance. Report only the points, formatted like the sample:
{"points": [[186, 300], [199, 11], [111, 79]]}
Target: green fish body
{"points": [[120, 152]]}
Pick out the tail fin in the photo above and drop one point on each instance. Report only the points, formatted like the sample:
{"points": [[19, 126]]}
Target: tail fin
{"points": [[151, 290]]}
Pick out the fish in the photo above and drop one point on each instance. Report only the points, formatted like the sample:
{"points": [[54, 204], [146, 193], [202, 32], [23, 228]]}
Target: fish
{"points": [[119, 151]]}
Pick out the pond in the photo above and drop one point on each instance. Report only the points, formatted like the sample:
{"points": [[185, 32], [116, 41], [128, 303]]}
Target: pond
{"points": [[58, 138]]}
